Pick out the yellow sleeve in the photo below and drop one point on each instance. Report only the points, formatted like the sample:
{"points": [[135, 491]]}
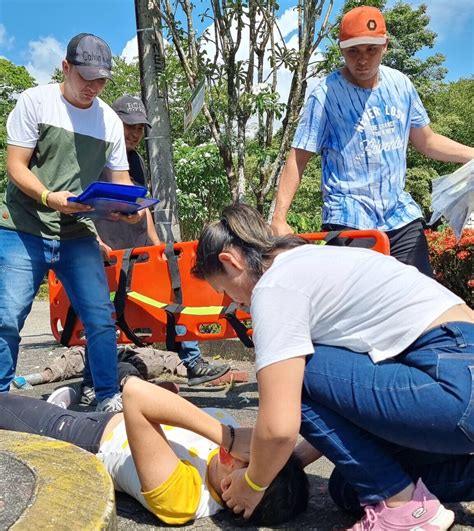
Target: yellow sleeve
{"points": [[176, 500]]}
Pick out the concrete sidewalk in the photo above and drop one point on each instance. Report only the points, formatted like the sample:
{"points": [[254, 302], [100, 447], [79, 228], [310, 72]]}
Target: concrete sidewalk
{"points": [[38, 347]]}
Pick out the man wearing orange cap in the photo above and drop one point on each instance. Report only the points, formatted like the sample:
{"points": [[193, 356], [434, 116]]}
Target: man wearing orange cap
{"points": [[360, 119]]}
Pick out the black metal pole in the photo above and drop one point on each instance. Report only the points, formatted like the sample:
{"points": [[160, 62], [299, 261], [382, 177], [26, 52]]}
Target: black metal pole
{"points": [[158, 141]]}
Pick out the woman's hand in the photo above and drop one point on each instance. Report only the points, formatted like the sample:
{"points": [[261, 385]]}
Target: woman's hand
{"points": [[237, 494]]}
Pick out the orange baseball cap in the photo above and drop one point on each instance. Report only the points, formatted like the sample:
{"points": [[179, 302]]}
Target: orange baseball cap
{"points": [[362, 25]]}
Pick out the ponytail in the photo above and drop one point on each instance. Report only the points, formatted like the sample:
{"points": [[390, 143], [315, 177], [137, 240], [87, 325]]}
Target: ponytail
{"points": [[244, 228]]}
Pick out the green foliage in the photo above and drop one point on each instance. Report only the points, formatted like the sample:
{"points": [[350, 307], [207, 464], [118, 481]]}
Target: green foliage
{"points": [[201, 185], [418, 183], [263, 99], [126, 81], [58, 76], [13, 80], [451, 110], [305, 214], [448, 110], [43, 292]]}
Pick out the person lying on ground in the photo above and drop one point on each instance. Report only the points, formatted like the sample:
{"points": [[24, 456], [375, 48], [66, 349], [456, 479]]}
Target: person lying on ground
{"points": [[165, 452]]}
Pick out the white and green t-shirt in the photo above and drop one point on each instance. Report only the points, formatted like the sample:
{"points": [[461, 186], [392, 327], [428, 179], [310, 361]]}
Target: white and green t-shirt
{"points": [[71, 148]]}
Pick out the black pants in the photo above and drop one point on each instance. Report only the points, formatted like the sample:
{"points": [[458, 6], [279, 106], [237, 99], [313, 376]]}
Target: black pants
{"points": [[30, 415], [407, 244]]}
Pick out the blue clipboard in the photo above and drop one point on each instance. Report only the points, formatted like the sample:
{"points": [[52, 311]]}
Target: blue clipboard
{"points": [[107, 198]]}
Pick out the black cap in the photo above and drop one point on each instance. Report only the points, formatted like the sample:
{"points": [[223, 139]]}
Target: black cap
{"points": [[130, 110], [91, 55]]}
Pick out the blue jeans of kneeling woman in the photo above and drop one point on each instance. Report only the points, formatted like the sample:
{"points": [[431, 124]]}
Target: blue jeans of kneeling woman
{"points": [[422, 399]]}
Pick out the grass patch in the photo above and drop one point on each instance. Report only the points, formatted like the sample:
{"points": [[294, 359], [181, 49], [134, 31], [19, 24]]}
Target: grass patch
{"points": [[43, 292]]}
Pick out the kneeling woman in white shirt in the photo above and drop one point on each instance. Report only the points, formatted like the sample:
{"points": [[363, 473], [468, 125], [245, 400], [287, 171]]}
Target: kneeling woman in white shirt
{"points": [[356, 350]]}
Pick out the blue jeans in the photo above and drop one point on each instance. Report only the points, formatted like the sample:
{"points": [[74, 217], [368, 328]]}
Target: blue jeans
{"points": [[423, 399], [24, 261], [189, 353]]}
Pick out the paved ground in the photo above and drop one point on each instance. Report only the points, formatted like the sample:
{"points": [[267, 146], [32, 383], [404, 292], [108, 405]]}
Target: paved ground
{"points": [[37, 349]]}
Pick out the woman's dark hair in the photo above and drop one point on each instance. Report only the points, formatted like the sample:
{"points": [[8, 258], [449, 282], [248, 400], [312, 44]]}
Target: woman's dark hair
{"points": [[286, 497], [243, 227]]}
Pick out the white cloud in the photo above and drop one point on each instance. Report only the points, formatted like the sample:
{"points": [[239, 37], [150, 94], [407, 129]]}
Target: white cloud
{"points": [[5, 40], [130, 52], [45, 55], [288, 22]]}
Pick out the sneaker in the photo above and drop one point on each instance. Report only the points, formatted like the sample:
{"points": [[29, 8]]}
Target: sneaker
{"points": [[63, 397], [87, 397], [204, 372], [112, 404], [423, 513]]}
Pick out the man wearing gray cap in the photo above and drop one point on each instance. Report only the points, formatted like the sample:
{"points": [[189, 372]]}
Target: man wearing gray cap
{"points": [[61, 138], [113, 235]]}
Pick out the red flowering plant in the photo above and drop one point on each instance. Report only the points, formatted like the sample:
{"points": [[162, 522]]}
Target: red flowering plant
{"points": [[452, 261]]}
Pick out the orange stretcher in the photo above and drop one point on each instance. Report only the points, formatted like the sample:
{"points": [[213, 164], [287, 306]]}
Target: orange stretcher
{"points": [[158, 293]]}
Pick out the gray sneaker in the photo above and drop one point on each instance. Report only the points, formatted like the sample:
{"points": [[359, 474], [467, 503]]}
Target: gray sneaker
{"points": [[63, 397], [204, 372], [112, 404]]}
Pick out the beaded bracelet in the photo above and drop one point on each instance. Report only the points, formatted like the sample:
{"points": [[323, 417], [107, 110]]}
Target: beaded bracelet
{"points": [[252, 485]]}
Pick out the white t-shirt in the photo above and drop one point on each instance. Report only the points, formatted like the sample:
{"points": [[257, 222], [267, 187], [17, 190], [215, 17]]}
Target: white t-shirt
{"points": [[116, 455], [346, 297]]}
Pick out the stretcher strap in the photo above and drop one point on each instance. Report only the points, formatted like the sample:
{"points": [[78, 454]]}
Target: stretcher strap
{"points": [[125, 281], [238, 326], [333, 237], [172, 309], [66, 334]]}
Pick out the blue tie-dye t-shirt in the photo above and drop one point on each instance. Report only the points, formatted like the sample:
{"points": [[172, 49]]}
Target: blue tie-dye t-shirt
{"points": [[362, 136]]}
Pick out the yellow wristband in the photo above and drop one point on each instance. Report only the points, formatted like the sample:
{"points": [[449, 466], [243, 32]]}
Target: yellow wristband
{"points": [[252, 485], [44, 197]]}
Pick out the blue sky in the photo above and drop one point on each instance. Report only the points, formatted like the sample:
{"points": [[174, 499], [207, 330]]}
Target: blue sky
{"points": [[35, 33]]}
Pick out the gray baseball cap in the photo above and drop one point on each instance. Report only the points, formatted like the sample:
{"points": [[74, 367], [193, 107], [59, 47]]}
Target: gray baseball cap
{"points": [[91, 55], [130, 110]]}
